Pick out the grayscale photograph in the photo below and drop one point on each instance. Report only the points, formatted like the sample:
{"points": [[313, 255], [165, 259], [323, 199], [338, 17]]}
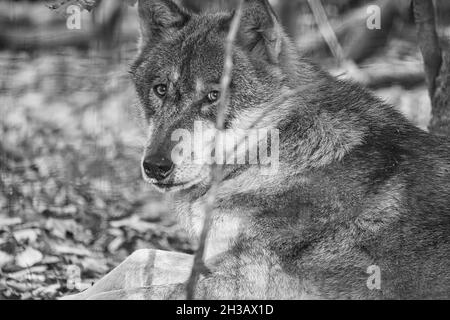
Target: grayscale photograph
{"points": [[224, 150]]}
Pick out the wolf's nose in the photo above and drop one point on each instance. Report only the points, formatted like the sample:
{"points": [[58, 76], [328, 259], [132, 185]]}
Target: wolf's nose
{"points": [[158, 168]]}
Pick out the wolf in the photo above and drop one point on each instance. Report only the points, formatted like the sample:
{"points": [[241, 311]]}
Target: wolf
{"points": [[360, 205]]}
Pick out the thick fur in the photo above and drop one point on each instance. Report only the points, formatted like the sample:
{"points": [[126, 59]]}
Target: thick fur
{"points": [[358, 184]]}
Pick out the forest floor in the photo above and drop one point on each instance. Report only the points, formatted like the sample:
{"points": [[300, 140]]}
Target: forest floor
{"points": [[71, 195]]}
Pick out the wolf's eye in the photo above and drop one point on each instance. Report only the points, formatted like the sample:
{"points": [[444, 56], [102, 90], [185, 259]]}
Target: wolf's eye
{"points": [[213, 96], [160, 90]]}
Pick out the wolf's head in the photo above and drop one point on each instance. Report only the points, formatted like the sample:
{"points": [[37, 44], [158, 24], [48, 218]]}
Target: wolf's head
{"points": [[178, 72]]}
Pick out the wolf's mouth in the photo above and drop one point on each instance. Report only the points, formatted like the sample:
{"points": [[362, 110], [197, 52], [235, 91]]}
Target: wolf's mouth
{"points": [[167, 187], [171, 184]]}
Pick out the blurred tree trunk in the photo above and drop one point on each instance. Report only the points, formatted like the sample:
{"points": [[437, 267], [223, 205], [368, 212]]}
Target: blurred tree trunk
{"points": [[366, 42], [108, 19], [436, 57], [440, 123], [358, 41]]}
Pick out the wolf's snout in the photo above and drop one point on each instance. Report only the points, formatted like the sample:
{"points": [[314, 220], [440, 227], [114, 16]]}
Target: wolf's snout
{"points": [[157, 167]]}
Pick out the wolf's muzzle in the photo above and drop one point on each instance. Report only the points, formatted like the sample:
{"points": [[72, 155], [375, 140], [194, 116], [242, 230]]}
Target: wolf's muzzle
{"points": [[157, 167]]}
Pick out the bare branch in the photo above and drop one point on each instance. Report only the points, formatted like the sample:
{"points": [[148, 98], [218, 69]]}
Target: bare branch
{"points": [[217, 172]]}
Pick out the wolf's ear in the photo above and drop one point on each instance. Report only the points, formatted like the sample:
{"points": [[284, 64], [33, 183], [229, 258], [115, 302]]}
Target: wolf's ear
{"points": [[260, 31], [160, 18]]}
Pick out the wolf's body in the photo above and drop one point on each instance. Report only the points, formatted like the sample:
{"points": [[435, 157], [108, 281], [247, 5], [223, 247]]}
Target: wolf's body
{"points": [[358, 185], [313, 232]]}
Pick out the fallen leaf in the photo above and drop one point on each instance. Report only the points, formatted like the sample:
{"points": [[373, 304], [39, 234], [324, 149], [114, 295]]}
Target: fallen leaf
{"points": [[21, 287], [47, 291], [5, 258], [9, 222], [29, 258], [61, 227], [27, 235], [26, 277], [76, 251], [35, 269], [23, 274], [51, 260], [116, 244], [94, 266], [135, 223]]}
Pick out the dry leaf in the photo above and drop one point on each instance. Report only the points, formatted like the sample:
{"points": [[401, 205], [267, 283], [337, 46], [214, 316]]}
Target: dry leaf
{"points": [[5, 258], [51, 260], [47, 291], [29, 258], [67, 250], [95, 266], [9, 222], [135, 223], [27, 235], [116, 244], [26, 277], [24, 274]]}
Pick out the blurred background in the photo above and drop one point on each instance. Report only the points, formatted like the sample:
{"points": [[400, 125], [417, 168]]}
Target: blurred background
{"points": [[72, 201]]}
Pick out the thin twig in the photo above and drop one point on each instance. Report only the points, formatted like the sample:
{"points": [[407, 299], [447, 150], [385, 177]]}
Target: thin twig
{"points": [[326, 30], [217, 172]]}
